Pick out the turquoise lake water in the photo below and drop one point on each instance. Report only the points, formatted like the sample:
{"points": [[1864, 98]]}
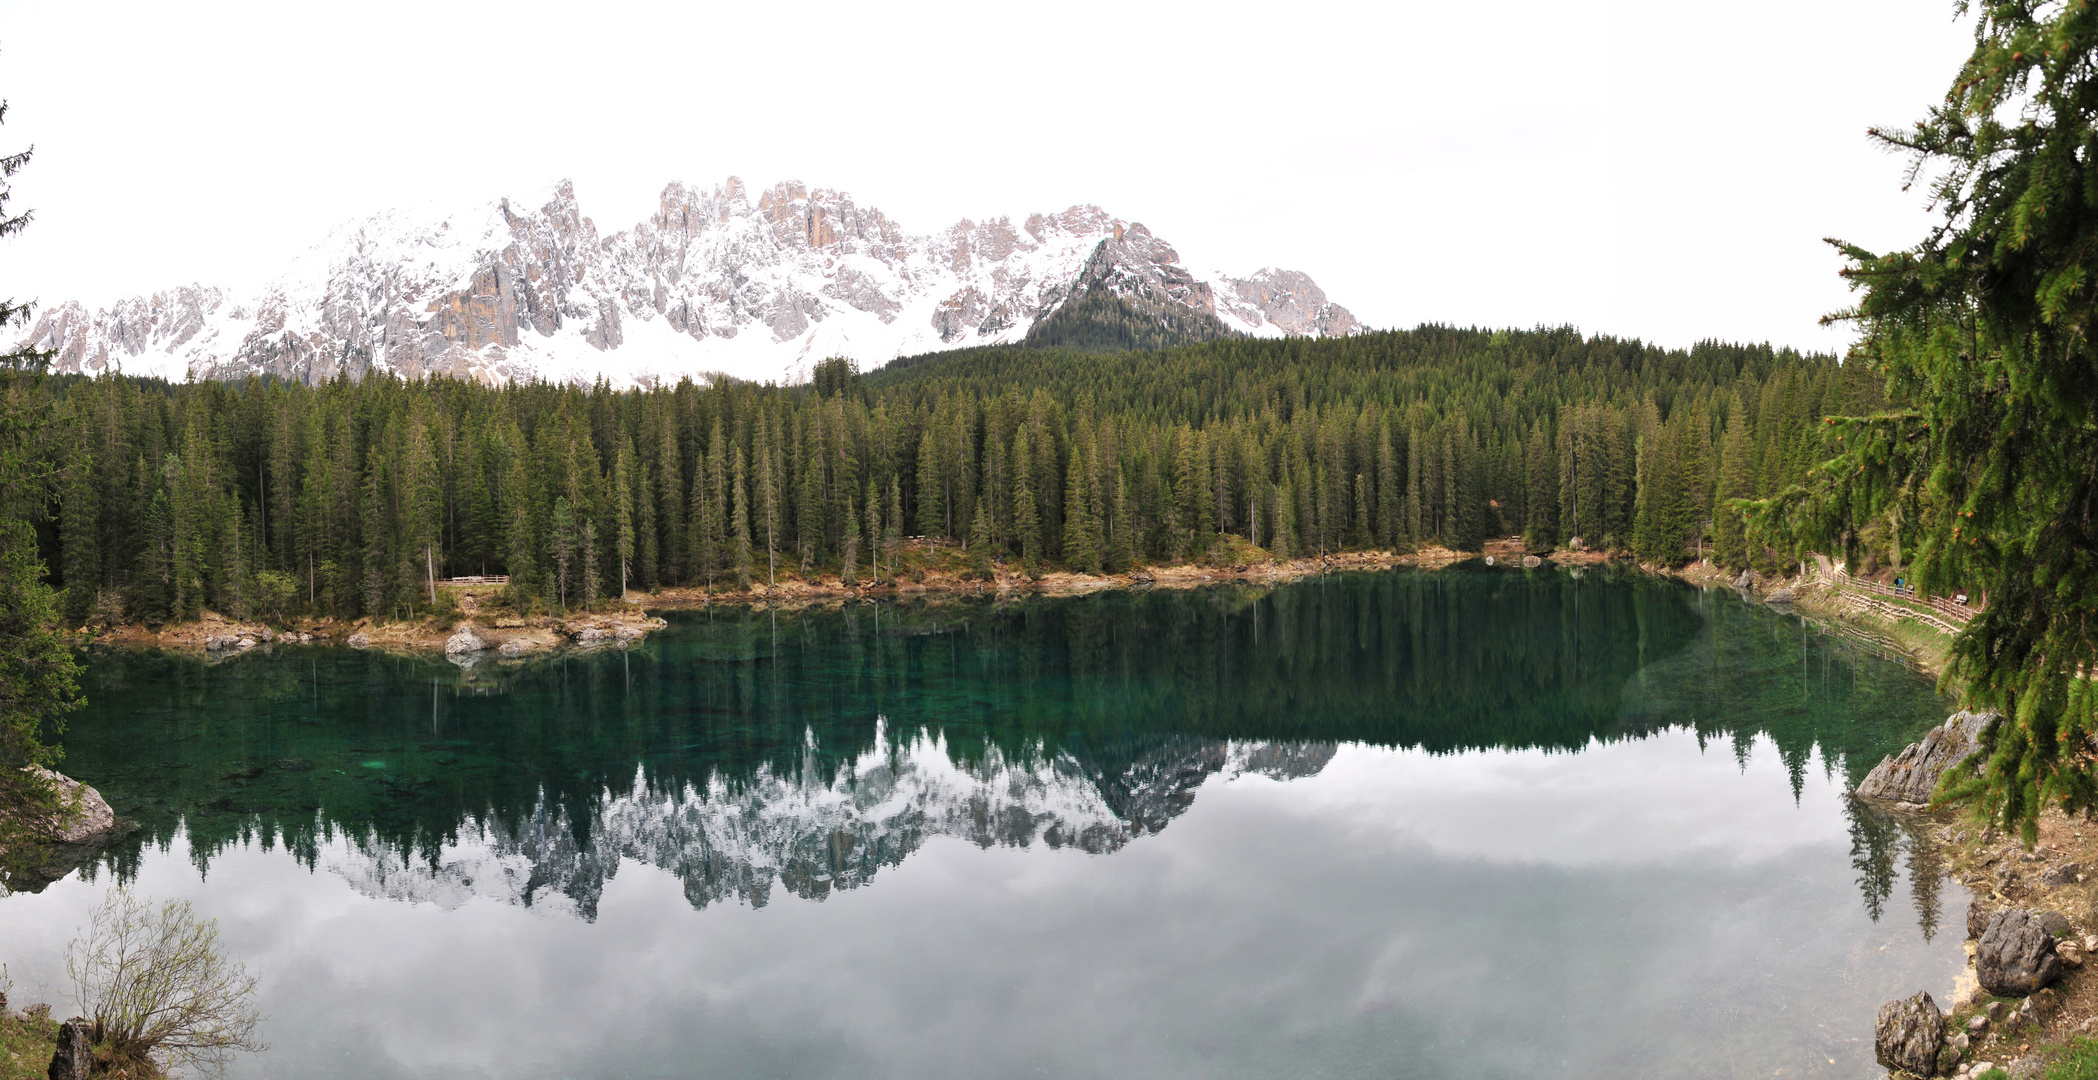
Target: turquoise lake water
{"points": [[1476, 823]]}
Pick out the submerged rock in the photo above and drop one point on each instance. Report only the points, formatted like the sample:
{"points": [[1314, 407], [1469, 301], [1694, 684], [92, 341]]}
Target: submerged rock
{"points": [[1912, 775], [2015, 956], [1909, 1034], [1781, 596]]}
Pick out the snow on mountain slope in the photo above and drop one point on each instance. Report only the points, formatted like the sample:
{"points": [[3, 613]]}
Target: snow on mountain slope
{"points": [[710, 282]]}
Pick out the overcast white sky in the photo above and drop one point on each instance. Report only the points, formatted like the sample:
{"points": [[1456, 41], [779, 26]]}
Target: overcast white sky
{"points": [[1663, 170]]}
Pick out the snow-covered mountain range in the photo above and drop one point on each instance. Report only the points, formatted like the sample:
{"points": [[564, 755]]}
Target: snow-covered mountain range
{"points": [[713, 281], [808, 835]]}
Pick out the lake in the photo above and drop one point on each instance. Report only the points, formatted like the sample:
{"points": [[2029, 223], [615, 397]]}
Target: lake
{"points": [[1473, 823]]}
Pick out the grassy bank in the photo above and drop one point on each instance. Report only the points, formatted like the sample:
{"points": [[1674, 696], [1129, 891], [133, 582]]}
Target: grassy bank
{"points": [[27, 1041]]}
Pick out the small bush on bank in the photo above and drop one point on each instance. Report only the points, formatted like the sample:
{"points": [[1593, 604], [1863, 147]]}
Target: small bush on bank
{"points": [[160, 989]]}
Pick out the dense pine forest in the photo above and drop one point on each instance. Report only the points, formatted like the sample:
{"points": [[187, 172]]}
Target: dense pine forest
{"points": [[268, 499]]}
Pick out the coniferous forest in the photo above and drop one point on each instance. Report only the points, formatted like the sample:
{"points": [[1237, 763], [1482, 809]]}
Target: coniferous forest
{"points": [[271, 499]]}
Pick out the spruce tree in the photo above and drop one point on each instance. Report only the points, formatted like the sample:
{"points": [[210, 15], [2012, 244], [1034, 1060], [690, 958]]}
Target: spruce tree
{"points": [[739, 524], [892, 528], [1121, 532], [1736, 482], [590, 571], [1080, 556], [1987, 465], [669, 494], [623, 512], [1027, 518], [80, 532], [564, 539], [874, 532], [849, 571], [1390, 502], [645, 531], [38, 675], [980, 542]]}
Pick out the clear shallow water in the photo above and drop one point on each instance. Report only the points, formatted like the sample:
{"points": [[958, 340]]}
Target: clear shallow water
{"points": [[1468, 824]]}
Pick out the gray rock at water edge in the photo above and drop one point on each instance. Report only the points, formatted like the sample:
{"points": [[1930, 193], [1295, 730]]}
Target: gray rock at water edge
{"points": [[463, 642], [1912, 775], [1781, 596], [1909, 1034], [1978, 917], [360, 641], [76, 1051], [93, 818], [2016, 954], [515, 647], [1532, 562], [1747, 579], [2054, 922]]}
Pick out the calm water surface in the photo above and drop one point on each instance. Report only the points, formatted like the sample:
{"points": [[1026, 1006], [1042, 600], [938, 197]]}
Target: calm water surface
{"points": [[1477, 823]]}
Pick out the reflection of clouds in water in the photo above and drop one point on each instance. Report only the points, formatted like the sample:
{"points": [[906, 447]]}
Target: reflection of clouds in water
{"points": [[1295, 928], [808, 835], [1651, 800]]}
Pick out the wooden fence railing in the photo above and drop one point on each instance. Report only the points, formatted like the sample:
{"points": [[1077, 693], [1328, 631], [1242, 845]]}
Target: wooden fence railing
{"points": [[1951, 608]]}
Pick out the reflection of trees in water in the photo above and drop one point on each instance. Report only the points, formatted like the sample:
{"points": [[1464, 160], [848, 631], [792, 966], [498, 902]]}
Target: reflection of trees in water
{"points": [[1877, 840], [1127, 692]]}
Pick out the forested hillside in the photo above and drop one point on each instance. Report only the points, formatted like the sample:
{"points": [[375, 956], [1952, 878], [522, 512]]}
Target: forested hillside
{"points": [[272, 498]]}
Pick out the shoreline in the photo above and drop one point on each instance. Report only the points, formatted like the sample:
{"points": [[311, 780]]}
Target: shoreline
{"points": [[476, 609], [474, 624]]}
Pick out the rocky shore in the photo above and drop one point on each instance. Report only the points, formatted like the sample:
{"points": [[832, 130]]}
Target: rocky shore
{"points": [[2031, 928], [71, 841], [475, 622]]}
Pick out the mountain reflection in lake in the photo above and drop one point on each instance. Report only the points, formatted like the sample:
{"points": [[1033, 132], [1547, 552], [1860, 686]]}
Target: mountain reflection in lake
{"points": [[1579, 762]]}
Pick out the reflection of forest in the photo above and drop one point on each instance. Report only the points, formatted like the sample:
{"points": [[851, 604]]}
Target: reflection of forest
{"points": [[747, 748], [1878, 840]]}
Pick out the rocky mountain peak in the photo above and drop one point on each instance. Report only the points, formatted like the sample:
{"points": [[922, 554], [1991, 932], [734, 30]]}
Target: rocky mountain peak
{"points": [[710, 281]]}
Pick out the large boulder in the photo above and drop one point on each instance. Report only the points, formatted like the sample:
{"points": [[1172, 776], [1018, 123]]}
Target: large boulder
{"points": [[464, 642], [91, 818], [75, 1057], [1912, 775], [2015, 956], [1909, 1034]]}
